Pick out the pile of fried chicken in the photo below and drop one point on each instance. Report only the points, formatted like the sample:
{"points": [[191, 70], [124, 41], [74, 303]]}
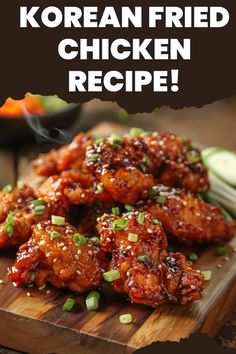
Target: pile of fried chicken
{"points": [[106, 206]]}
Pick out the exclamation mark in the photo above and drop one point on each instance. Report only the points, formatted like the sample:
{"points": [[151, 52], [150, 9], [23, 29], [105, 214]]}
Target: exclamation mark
{"points": [[175, 80]]}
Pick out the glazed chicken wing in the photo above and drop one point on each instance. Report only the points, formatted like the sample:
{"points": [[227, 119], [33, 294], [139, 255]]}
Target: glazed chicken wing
{"points": [[188, 218], [67, 157], [57, 255]]}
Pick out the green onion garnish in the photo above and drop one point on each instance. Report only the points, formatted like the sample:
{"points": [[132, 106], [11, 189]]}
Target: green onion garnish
{"points": [[9, 227], [38, 202], [111, 275], [171, 249], [115, 211], [153, 192], [100, 188], [69, 304], [192, 157], [135, 132], [143, 168], [141, 218], [193, 257], [221, 251], [94, 240], [143, 258], [39, 209], [55, 234], [58, 220], [161, 199], [155, 221], [119, 224], [129, 207], [147, 160], [115, 139], [80, 239], [132, 237], [207, 274], [98, 141], [93, 158], [94, 293], [126, 319], [20, 185], [92, 304], [8, 188]]}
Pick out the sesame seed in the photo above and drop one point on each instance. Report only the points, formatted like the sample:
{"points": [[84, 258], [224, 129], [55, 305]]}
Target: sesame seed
{"points": [[1, 282], [64, 248], [48, 292], [28, 294], [226, 259], [149, 231], [90, 253], [193, 287], [54, 260], [234, 249], [219, 266], [160, 266], [62, 271], [168, 276], [78, 272], [14, 284], [79, 251], [42, 287], [76, 257]]}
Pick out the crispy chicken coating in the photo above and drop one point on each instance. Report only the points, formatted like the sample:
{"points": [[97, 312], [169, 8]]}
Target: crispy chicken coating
{"points": [[66, 158], [148, 275], [188, 218], [54, 255], [171, 280], [128, 166]]}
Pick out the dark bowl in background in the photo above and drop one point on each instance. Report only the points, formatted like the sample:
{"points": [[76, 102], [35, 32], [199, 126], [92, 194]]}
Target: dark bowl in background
{"points": [[13, 130]]}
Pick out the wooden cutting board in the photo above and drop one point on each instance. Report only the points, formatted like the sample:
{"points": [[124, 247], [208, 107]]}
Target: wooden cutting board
{"points": [[37, 324]]}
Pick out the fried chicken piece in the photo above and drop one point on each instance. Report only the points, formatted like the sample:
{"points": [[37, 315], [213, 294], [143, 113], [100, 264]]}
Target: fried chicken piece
{"points": [[53, 255], [66, 158], [116, 237], [171, 280], [188, 218], [148, 275], [71, 188], [19, 210], [120, 169], [176, 161]]}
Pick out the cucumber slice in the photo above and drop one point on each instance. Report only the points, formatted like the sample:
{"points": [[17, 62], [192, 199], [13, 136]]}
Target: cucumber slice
{"points": [[222, 163]]}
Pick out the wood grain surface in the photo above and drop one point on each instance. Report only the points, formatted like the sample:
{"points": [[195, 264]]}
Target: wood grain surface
{"points": [[37, 323]]}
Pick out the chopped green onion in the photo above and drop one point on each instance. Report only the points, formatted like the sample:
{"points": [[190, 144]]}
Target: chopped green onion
{"points": [[153, 192], [37, 202], [94, 293], [171, 249], [129, 207], [9, 227], [20, 185], [132, 237], [58, 220], [93, 158], [8, 188], [143, 258], [226, 214], [69, 304], [192, 157], [98, 141], [100, 188], [161, 199], [92, 303], [55, 234], [135, 132], [147, 160], [115, 139], [155, 221], [39, 209], [80, 239], [193, 257], [207, 274], [94, 240], [141, 218], [126, 319], [221, 251], [143, 168], [119, 224], [115, 211], [111, 275]]}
